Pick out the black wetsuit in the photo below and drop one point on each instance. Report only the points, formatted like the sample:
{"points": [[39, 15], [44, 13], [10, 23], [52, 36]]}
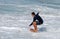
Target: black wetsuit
{"points": [[38, 18]]}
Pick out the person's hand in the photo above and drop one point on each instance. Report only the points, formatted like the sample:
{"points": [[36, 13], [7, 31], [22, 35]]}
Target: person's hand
{"points": [[29, 25]]}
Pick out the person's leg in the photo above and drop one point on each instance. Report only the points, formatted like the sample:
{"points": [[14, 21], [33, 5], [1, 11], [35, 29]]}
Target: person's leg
{"points": [[35, 27]]}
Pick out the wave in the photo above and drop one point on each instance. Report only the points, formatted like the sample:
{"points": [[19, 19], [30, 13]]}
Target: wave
{"points": [[49, 3], [19, 9]]}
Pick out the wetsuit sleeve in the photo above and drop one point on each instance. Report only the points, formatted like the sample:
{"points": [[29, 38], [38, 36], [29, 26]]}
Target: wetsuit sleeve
{"points": [[37, 13], [31, 24], [34, 19]]}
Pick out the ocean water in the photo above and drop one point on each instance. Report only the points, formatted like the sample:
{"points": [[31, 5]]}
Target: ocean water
{"points": [[15, 17]]}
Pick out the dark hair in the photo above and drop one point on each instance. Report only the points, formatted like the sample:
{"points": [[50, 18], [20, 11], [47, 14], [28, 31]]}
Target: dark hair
{"points": [[33, 13]]}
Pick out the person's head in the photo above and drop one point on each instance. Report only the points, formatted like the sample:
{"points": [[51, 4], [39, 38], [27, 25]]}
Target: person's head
{"points": [[33, 14]]}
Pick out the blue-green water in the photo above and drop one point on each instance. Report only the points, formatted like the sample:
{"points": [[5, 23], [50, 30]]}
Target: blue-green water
{"points": [[22, 6]]}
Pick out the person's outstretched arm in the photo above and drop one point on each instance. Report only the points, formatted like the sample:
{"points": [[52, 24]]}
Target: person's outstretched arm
{"points": [[31, 24], [34, 19]]}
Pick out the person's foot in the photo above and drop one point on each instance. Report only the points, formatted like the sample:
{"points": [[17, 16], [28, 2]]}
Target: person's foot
{"points": [[32, 30]]}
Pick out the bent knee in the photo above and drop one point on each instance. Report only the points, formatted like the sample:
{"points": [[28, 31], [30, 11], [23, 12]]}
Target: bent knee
{"points": [[34, 23]]}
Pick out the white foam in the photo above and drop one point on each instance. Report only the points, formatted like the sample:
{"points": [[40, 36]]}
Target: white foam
{"points": [[13, 22]]}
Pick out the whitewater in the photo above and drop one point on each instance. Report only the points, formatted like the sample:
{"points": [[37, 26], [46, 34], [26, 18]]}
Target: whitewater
{"points": [[15, 17]]}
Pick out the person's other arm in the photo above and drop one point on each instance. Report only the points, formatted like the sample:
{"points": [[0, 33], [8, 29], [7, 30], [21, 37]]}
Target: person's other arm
{"points": [[37, 13], [34, 19]]}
